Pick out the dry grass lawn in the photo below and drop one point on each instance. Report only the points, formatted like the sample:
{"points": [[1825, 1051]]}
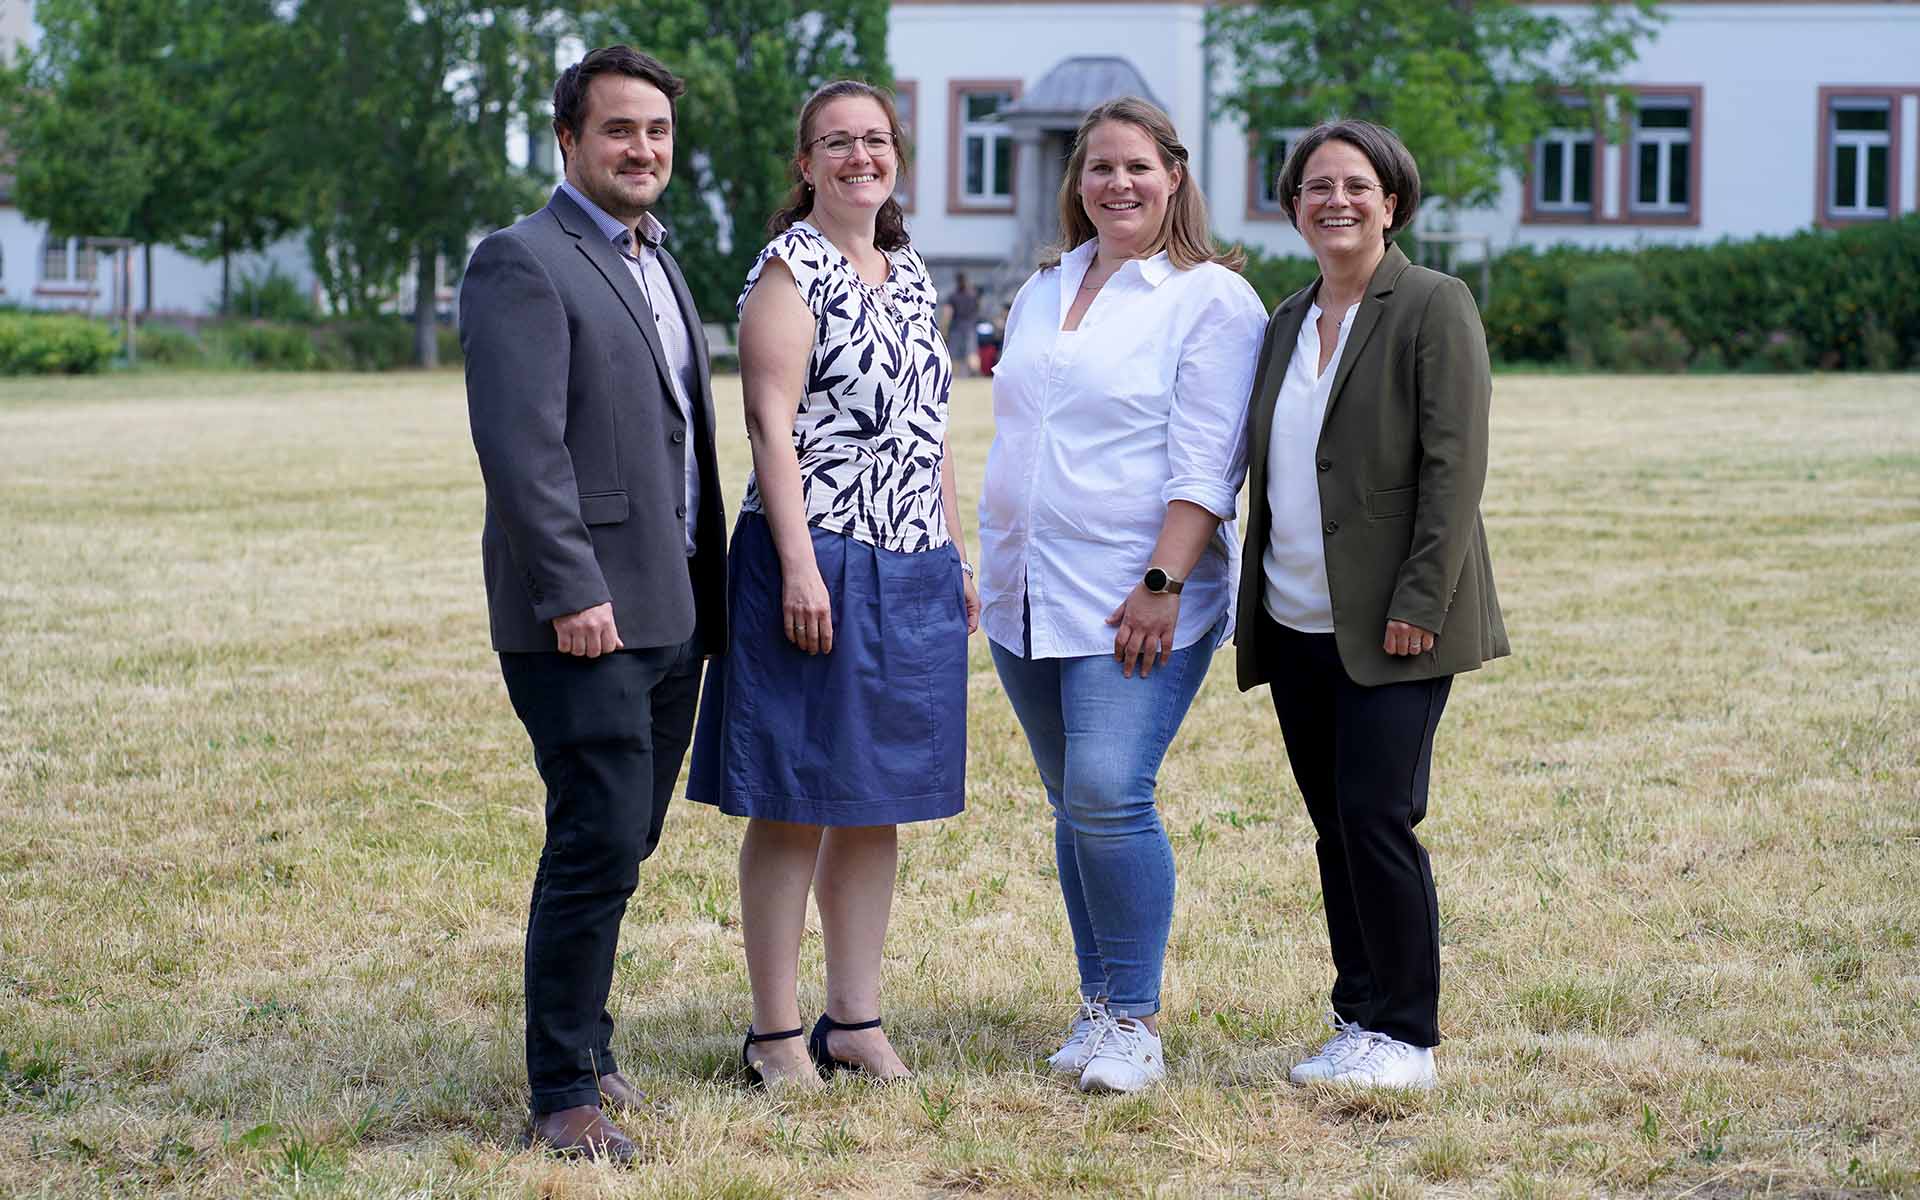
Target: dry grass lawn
{"points": [[268, 827]]}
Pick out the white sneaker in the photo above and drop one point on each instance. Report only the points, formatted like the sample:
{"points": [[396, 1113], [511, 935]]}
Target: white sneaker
{"points": [[1343, 1045], [1071, 1058], [1384, 1062], [1124, 1056]]}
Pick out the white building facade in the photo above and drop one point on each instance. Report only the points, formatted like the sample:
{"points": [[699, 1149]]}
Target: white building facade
{"points": [[1751, 118], [1755, 118]]}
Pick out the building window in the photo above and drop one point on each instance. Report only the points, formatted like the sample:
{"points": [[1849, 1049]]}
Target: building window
{"points": [[1266, 154], [906, 102], [1859, 156], [1563, 170], [1661, 156], [987, 147], [68, 261], [981, 149]]}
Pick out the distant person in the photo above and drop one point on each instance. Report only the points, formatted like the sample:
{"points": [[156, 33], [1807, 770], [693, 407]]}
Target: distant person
{"points": [[840, 712], [963, 325], [1368, 442], [604, 548], [1107, 549]]}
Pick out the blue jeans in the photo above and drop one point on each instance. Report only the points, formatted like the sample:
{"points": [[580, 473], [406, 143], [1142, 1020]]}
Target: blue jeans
{"points": [[1098, 739]]}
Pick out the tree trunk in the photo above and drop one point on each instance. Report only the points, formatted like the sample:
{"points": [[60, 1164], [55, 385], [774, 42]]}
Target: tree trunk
{"points": [[426, 342], [226, 282], [147, 269]]}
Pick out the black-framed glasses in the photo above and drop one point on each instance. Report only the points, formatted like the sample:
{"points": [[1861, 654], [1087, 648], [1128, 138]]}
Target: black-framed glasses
{"points": [[839, 145], [1357, 189]]}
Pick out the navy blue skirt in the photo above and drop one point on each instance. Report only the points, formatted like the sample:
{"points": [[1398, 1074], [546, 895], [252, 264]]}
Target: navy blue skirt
{"points": [[874, 732]]}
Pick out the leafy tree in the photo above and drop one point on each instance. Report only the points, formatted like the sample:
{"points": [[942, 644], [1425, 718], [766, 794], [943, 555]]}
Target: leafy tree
{"points": [[408, 106], [259, 191], [1467, 84], [137, 118], [749, 65]]}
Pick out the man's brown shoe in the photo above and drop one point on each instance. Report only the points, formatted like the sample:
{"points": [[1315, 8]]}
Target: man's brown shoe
{"points": [[582, 1131], [616, 1089]]}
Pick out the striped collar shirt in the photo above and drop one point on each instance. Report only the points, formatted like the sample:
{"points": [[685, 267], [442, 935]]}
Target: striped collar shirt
{"points": [[643, 263]]}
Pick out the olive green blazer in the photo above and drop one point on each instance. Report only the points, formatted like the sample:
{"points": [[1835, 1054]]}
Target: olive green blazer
{"points": [[1402, 458]]}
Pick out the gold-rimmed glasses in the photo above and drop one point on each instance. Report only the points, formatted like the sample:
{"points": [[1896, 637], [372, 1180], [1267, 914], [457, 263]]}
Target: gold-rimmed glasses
{"points": [[839, 145], [1357, 189]]}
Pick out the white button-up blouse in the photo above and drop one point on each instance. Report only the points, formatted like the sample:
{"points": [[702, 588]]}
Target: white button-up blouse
{"points": [[1096, 430]]}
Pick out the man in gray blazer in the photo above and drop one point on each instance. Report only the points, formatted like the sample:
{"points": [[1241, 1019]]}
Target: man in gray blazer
{"points": [[604, 548]]}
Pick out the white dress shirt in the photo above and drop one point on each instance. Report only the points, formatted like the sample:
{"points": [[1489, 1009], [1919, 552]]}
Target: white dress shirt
{"points": [[1294, 560], [1096, 430], [676, 340]]}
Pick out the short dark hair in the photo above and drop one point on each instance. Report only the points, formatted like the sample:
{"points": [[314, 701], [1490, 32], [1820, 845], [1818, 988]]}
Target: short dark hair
{"points": [[570, 90], [1386, 154]]}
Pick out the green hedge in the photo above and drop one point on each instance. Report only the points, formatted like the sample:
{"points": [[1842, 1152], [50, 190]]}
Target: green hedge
{"points": [[1845, 299], [382, 344], [1832, 299], [42, 344], [1276, 278], [167, 346]]}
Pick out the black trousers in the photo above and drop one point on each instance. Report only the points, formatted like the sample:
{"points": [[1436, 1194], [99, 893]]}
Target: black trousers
{"points": [[609, 735], [1361, 756]]}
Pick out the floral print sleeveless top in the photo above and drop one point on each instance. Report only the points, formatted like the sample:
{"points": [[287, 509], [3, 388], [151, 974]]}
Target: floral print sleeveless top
{"points": [[873, 418]]}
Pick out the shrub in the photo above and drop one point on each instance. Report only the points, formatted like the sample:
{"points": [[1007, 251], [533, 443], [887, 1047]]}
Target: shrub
{"points": [[378, 344], [1846, 299], [167, 346], [269, 296], [1655, 346], [1602, 302], [1880, 349], [1709, 361], [1275, 278], [1526, 319], [449, 343], [37, 344], [265, 346], [1780, 350]]}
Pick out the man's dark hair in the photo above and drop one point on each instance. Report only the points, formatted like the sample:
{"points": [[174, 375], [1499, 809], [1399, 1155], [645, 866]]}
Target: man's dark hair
{"points": [[1389, 157], [570, 90]]}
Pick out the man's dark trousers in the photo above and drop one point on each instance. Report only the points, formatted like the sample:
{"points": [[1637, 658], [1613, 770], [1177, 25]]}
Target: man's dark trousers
{"points": [[598, 726], [583, 443]]}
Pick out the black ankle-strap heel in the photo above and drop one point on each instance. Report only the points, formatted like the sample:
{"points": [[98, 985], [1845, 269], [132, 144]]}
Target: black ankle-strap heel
{"points": [[752, 1037], [817, 1045]]}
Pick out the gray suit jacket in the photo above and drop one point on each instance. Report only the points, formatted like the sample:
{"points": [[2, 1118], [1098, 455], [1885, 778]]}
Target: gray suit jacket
{"points": [[1401, 460], [580, 441]]}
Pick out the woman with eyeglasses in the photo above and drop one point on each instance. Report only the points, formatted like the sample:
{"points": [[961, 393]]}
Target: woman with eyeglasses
{"points": [[1367, 445], [840, 708]]}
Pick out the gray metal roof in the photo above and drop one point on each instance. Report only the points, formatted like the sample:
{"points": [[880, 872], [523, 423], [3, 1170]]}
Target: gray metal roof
{"points": [[1077, 84]]}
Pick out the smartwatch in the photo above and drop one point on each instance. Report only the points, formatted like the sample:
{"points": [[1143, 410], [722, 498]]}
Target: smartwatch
{"points": [[1160, 583]]}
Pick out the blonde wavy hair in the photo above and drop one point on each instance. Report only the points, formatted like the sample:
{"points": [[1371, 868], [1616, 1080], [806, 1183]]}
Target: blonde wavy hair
{"points": [[1186, 236]]}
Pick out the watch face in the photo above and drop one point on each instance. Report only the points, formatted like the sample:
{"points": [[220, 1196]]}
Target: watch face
{"points": [[1156, 579]]}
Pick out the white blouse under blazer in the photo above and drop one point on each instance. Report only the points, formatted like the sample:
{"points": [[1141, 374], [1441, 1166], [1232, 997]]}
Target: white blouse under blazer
{"points": [[1294, 560], [1096, 430]]}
